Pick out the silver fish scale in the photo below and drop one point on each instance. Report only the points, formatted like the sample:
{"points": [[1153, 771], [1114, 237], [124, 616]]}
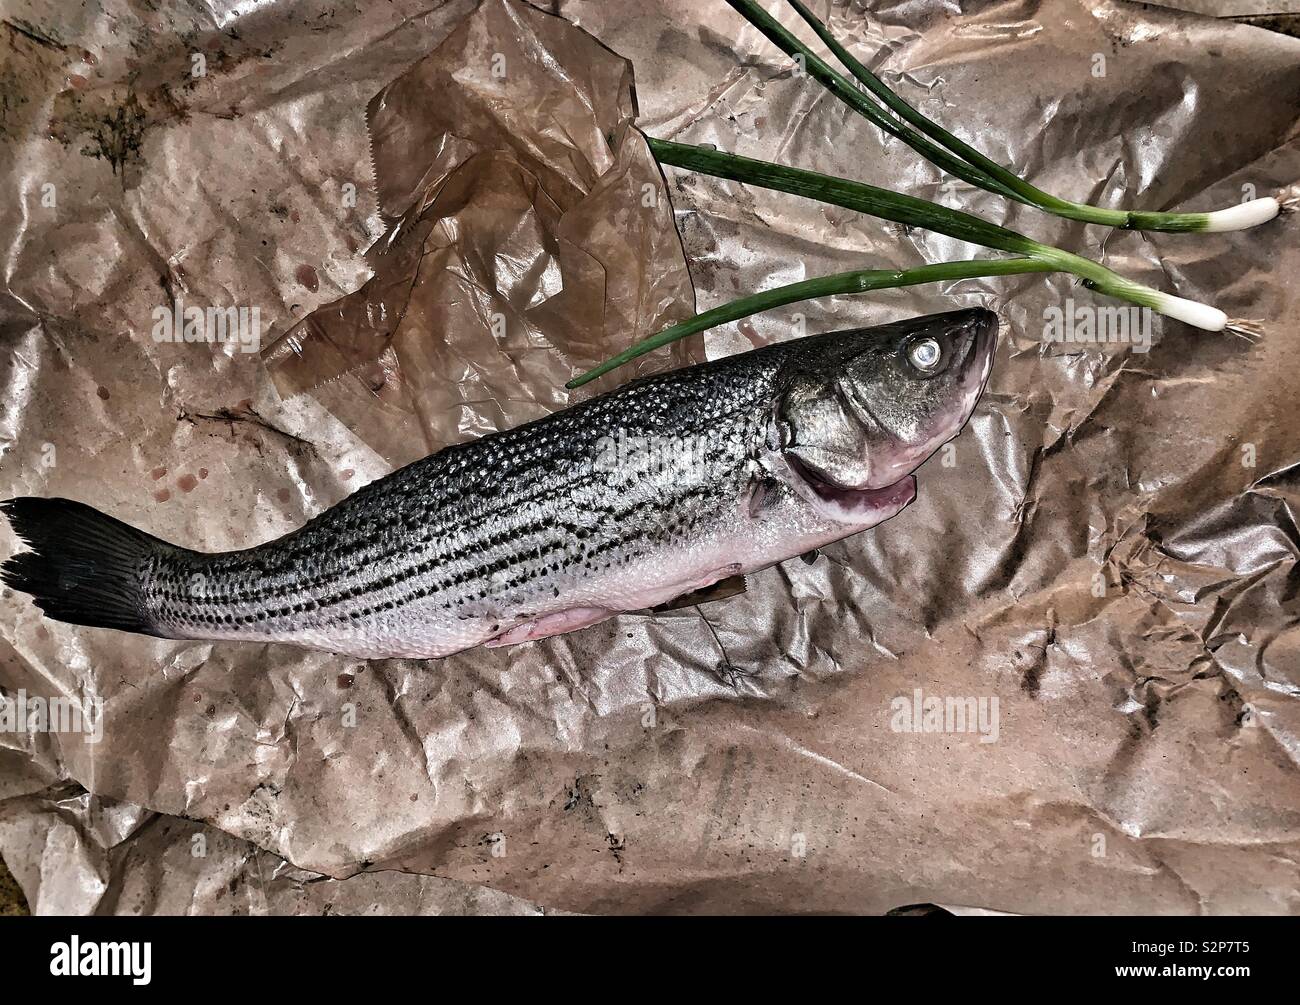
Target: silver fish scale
{"points": [[499, 530]]}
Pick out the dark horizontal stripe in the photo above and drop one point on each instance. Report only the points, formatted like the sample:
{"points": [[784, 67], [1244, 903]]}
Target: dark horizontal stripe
{"points": [[218, 594], [389, 520]]}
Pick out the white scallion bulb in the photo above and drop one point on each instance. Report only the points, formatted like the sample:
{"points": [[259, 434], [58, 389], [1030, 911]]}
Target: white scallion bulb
{"points": [[1248, 214], [1191, 312]]}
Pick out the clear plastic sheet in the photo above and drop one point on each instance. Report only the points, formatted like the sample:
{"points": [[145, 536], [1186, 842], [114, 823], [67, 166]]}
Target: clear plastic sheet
{"points": [[1108, 551]]}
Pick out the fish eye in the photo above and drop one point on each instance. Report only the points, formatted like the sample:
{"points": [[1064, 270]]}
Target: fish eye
{"points": [[925, 354]]}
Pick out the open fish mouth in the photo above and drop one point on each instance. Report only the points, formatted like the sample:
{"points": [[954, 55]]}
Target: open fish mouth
{"points": [[850, 505]]}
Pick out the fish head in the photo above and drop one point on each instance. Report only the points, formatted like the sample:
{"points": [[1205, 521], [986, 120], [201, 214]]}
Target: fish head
{"points": [[860, 410]]}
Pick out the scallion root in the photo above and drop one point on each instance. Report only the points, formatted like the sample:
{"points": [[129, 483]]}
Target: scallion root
{"points": [[1250, 330]]}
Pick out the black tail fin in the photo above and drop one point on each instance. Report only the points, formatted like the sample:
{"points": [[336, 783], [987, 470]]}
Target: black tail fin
{"points": [[84, 567]]}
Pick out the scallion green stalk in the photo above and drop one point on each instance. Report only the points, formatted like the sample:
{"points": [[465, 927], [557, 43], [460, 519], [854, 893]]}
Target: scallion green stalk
{"points": [[856, 281], [968, 163]]}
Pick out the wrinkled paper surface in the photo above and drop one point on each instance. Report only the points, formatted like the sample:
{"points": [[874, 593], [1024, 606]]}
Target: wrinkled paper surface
{"points": [[440, 212]]}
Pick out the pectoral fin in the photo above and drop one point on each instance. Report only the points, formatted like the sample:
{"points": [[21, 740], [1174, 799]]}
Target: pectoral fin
{"points": [[558, 623], [730, 587]]}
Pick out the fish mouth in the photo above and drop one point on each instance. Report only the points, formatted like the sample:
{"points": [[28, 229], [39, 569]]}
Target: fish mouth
{"points": [[844, 504], [976, 338], [881, 416]]}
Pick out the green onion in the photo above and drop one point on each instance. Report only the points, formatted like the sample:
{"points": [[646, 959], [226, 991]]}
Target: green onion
{"points": [[855, 99], [857, 281], [915, 212], [969, 164]]}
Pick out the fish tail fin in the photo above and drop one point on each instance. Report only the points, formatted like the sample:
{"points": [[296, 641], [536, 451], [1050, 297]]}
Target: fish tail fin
{"points": [[84, 567]]}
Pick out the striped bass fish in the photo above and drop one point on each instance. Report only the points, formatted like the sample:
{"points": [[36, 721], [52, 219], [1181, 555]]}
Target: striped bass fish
{"points": [[620, 503]]}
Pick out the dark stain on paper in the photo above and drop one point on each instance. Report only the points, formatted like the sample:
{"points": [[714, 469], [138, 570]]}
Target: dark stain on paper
{"points": [[113, 122]]}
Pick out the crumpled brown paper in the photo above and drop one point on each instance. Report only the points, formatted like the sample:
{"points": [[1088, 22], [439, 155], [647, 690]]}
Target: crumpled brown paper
{"points": [[521, 205], [1146, 745]]}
